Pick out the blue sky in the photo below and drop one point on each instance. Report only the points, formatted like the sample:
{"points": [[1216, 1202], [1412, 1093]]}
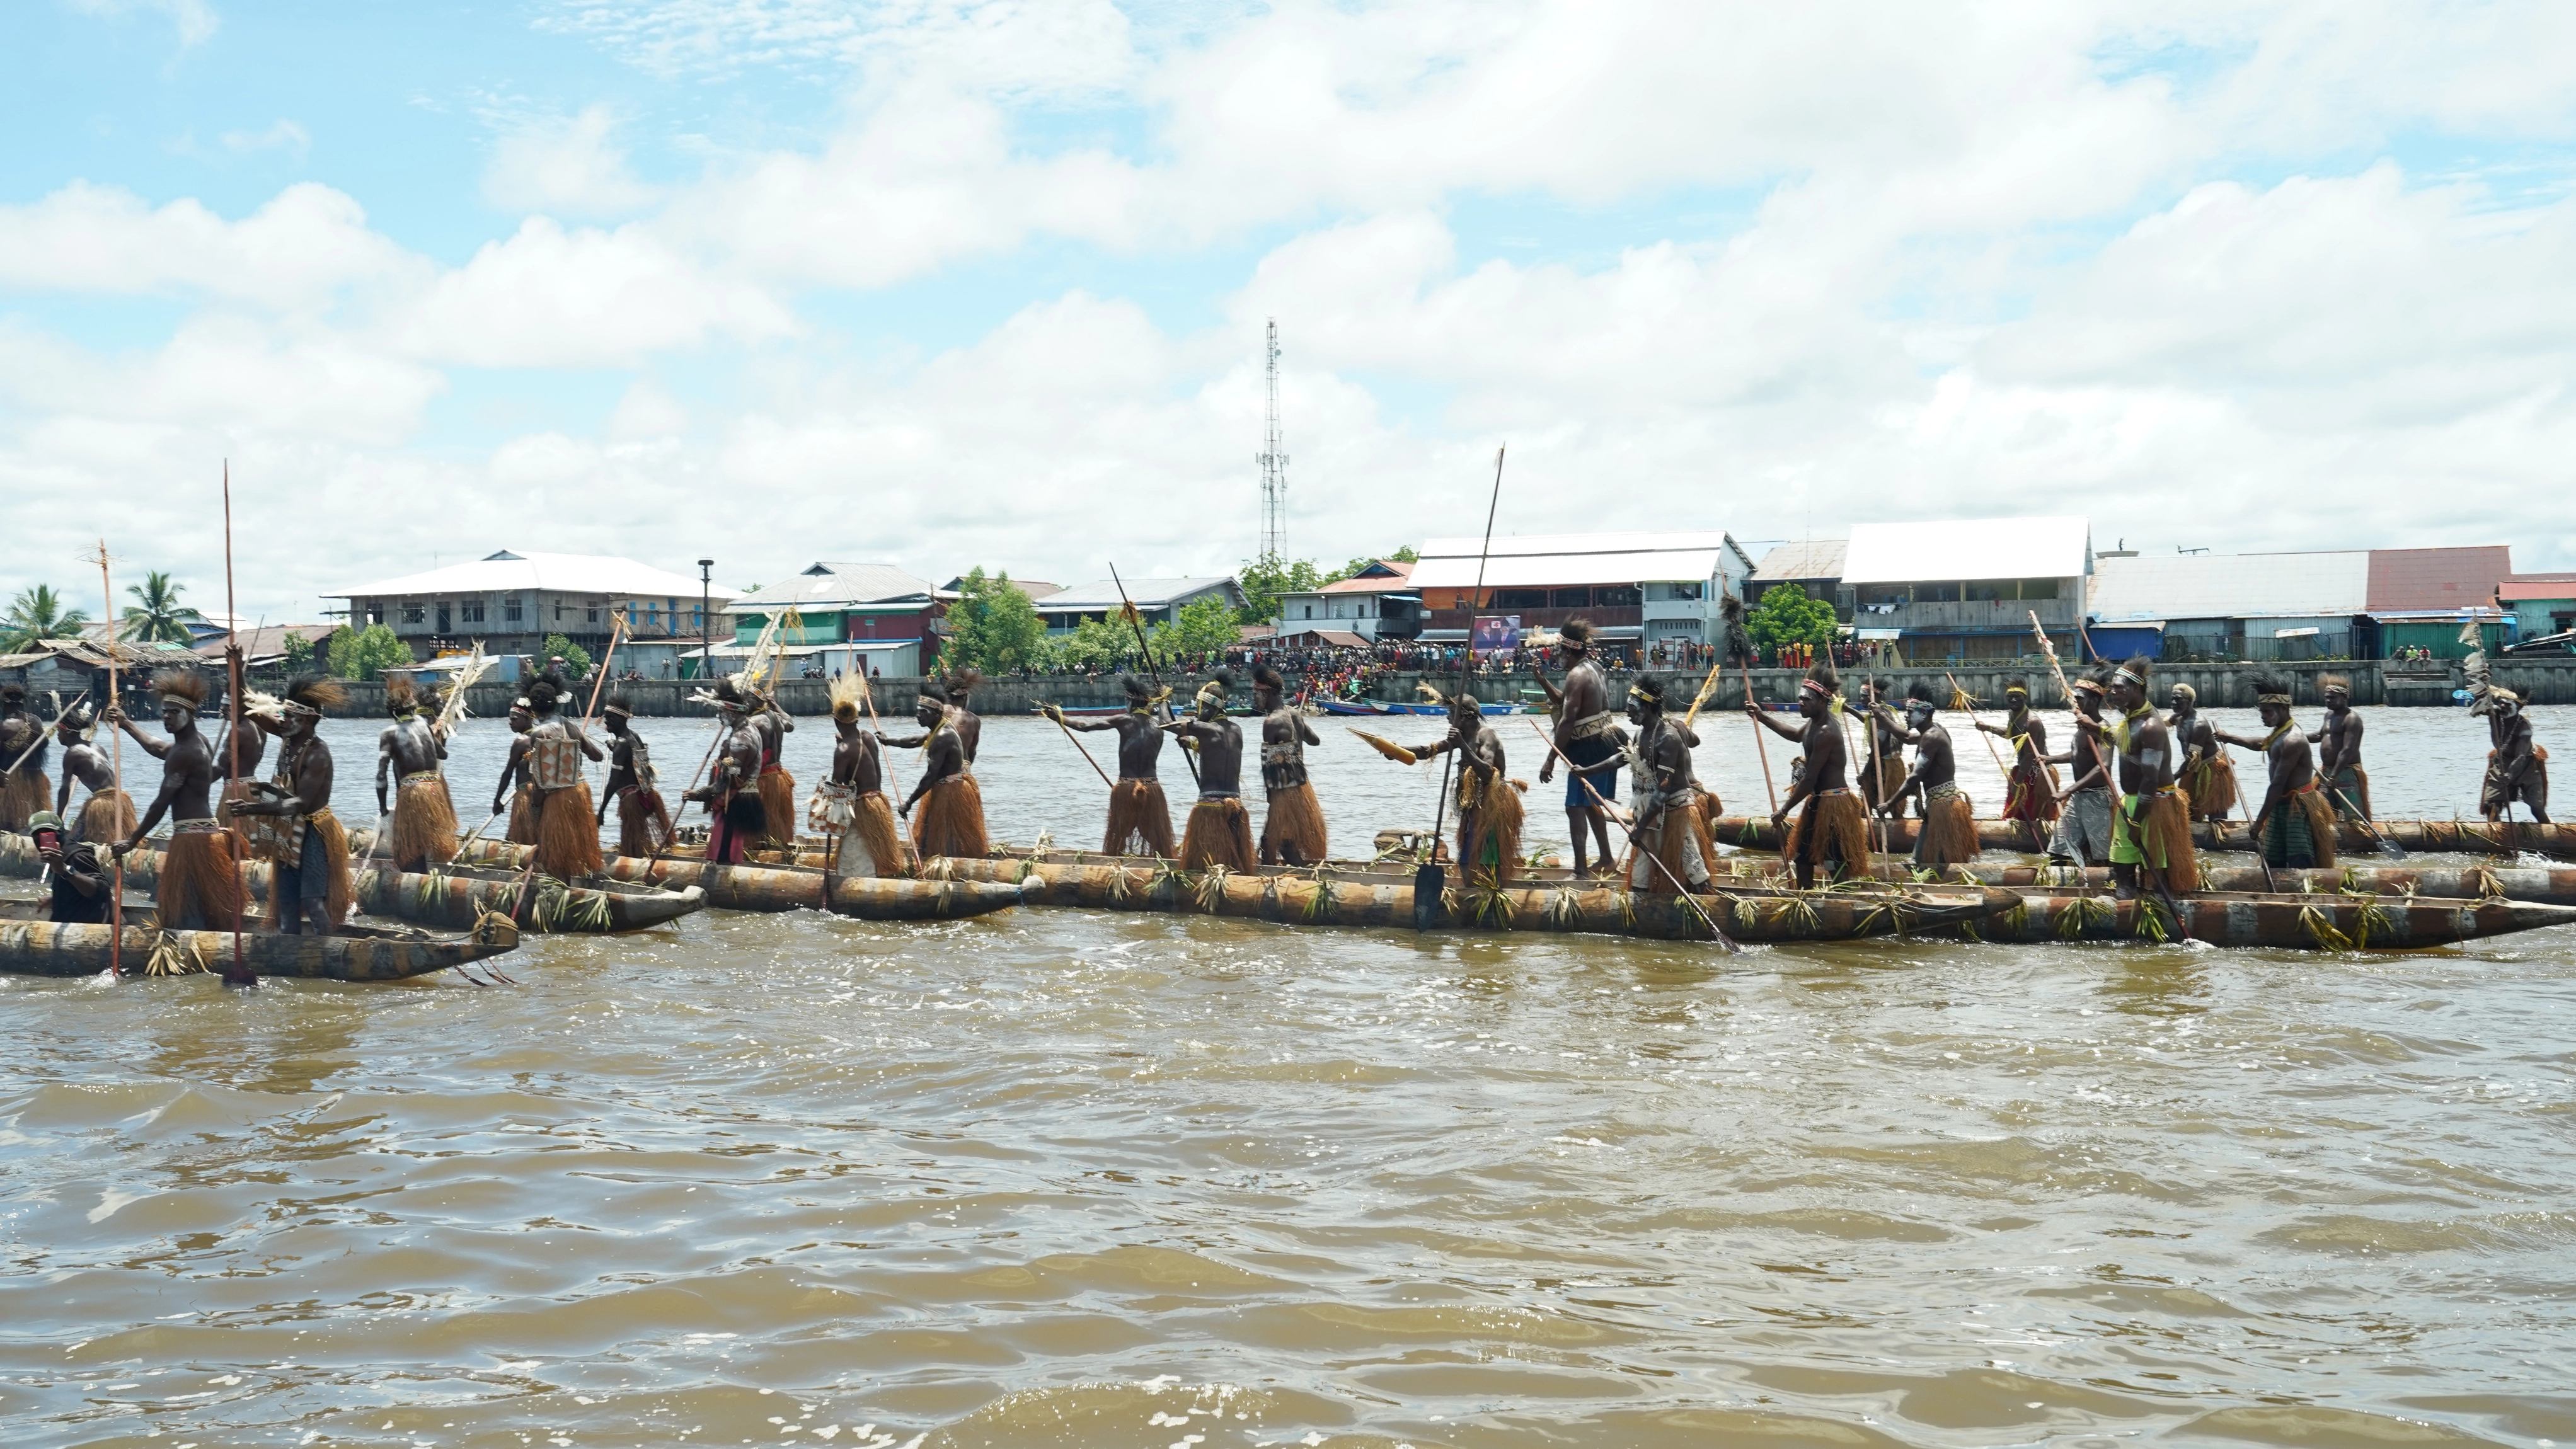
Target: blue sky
{"points": [[949, 283]]}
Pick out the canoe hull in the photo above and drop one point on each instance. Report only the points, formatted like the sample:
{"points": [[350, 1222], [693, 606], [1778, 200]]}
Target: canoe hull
{"points": [[42, 948], [2467, 837], [788, 888]]}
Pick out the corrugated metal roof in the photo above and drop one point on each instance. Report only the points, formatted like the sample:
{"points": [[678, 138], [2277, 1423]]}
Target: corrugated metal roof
{"points": [[2230, 586], [825, 584], [2436, 578], [1145, 593], [570, 573], [1532, 560], [1811, 558], [2538, 586], [1379, 584], [1969, 548]]}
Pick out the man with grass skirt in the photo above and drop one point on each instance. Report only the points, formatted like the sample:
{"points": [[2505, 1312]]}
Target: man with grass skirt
{"points": [[1885, 740], [78, 880], [522, 827], [2083, 835], [736, 818], [22, 759], [1833, 826], [1587, 734], [1673, 849], [2030, 785], [304, 843], [2347, 784], [550, 757], [2517, 769], [1140, 818], [108, 815], [2207, 776], [1488, 802], [643, 821], [1292, 829], [1220, 829], [199, 887], [2294, 827], [1948, 835], [777, 787], [850, 809], [947, 807], [2151, 824], [408, 752]]}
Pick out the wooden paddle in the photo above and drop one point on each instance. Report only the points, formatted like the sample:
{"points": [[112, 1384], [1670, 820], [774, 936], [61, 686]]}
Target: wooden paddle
{"points": [[1430, 877]]}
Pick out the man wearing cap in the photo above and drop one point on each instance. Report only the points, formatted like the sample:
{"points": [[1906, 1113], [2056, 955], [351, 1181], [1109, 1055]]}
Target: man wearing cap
{"points": [[2084, 831], [2517, 769], [78, 878]]}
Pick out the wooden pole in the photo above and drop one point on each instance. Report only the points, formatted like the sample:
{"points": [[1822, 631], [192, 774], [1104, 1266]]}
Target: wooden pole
{"points": [[241, 974], [1428, 868], [116, 747], [1680, 891], [1761, 746], [1058, 717]]}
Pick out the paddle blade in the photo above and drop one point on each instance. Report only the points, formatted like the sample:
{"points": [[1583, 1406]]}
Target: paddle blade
{"points": [[1429, 880]]}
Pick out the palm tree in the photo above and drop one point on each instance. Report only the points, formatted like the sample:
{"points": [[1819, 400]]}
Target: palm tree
{"points": [[38, 613], [159, 617]]}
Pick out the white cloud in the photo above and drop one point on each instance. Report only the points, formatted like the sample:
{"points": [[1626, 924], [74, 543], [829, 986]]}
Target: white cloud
{"points": [[297, 252], [282, 135], [548, 297], [564, 166]]}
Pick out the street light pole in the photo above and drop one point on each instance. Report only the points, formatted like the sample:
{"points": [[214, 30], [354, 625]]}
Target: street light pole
{"points": [[706, 586]]}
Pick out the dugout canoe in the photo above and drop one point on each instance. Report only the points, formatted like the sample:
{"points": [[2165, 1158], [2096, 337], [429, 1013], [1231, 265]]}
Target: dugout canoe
{"points": [[2540, 885], [2466, 837], [451, 900], [785, 887], [31, 946]]}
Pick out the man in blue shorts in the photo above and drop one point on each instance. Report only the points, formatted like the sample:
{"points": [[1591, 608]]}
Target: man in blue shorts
{"points": [[1587, 732]]}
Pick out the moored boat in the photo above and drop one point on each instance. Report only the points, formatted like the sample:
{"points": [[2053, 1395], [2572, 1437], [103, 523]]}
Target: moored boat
{"points": [[31, 946]]}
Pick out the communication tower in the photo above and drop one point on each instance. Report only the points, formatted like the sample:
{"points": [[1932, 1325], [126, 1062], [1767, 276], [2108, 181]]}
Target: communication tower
{"points": [[1274, 464]]}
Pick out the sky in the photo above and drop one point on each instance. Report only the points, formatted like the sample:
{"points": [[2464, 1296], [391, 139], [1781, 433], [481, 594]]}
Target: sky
{"points": [[941, 284]]}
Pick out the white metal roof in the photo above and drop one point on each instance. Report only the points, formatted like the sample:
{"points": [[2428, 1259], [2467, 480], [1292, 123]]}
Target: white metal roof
{"points": [[1527, 560], [569, 573], [1968, 548], [2231, 586], [835, 583], [1144, 593], [1811, 558]]}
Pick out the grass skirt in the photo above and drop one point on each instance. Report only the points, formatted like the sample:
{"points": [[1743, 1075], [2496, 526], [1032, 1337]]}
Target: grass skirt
{"points": [[1140, 820], [643, 822], [1876, 785], [2303, 820], [284, 880], [870, 847], [1683, 851], [523, 823], [1830, 827], [424, 825], [1295, 822], [105, 818], [1220, 833], [1949, 832], [2029, 794], [2211, 784], [778, 796], [2351, 785], [200, 887], [1489, 837], [2158, 842], [950, 820], [22, 794], [567, 834]]}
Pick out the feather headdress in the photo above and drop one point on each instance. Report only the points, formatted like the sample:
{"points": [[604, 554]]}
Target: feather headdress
{"points": [[2270, 688], [1218, 686], [182, 683], [849, 696], [1577, 632], [1822, 678], [2334, 681], [749, 680], [1739, 640], [312, 694], [451, 710], [2475, 671], [961, 683], [400, 697], [1265, 677]]}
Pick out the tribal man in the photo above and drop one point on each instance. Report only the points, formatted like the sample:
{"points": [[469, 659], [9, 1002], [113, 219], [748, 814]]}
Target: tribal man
{"points": [[2347, 784], [947, 807], [2517, 769], [2030, 787], [1833, 829], [549, 758], [961, 714], [1886, 744], [22, 759], [522, 829], [407, 766], [850, 809], [80, 884], [1585, 730], [736, 818], [108, 815], [1140, 818], [777, 786], [1292, 829], [2295, 827], [2084, 829], [307, 850], [1220, 829], [643, 821], [2207, 776], [200, 886], [1489, 802], [1673, 848], [1948, 833], [2151, 827]]}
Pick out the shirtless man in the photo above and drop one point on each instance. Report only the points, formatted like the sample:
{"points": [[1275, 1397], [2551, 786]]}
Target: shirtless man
{"points": [[1673, 846], [1948, 835], [107, 815], [1488, 804], [1220, 829], [2294, 827], [850, 809], [1292, 829], [2206, 775], [79, 883], [2084, 829], [549, 758], [1885, 738], [2151, 825], [22, 759], [1585, 725], [2347, 785], [777, 787], [946, 808], [2030, 788], [961, 713], [309, 876], [1140, 818], [2517, 769], [736, 816], [200, 886], [643, 821], [411, 786], [1833, 829]]}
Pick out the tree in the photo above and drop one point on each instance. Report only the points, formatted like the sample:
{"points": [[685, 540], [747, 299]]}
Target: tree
{"points": [[1785, 615], [157, 616], [994, 626], [1201, 628], [1097, 644], [1266, 578], [299, 652], [37, 614], [1404, 555], [367, 653], [576, 658]]}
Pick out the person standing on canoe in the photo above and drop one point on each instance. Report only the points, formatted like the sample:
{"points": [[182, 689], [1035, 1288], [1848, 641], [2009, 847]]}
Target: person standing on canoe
{"points": [[1948, 835], [78, 881], [1490, 817], [2207, 776], [1664, 798], [961, 714], [549, 756], [108, 814], [1140, 817], [643, 821], [1833, 826], [1885, 738], [1292, 828], [2151, 828], [1220, 829], [200, 887], [2084, 829], [1586, 730], [407, 767], [2517, 769], [522, 829], [947, 808], [2294, 828], [308, 850], [777, 787], [2030, 787], [22, 759], [2347, 784], [850, 808], [736, 818]]}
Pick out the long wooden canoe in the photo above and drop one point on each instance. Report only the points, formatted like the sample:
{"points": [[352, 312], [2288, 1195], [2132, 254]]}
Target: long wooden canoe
{"points": [[787, 887], [35, 947], [2541, 885], [2467, 837]]}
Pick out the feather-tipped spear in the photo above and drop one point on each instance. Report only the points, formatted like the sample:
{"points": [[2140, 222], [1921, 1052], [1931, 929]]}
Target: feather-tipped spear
{"points": [[1385, 746], [451, 710]]}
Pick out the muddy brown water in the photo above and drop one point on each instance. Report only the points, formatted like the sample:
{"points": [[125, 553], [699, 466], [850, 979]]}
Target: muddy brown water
{"points": [[1064, 1178]]}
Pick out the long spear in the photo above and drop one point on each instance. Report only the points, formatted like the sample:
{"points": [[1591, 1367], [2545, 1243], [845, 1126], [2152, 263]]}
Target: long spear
{"points": [[241, 975], [1058, 717], [1634, 844], [116, 746], [1127, 607], [1429, 872]]}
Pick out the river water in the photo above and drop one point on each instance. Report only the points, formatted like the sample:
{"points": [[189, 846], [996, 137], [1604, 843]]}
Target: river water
{"points": [[1062, 1178]]}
